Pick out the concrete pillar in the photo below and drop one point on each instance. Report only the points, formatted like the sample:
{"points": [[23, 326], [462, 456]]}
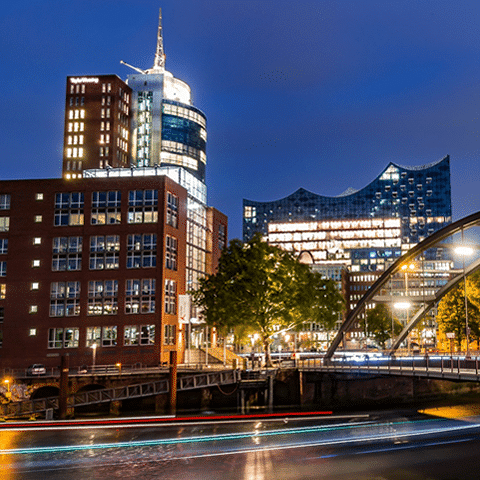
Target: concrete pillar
{"points": [[242, 402], [64, 390], [173, 382], [206, 399], [115, 407], [301, 392], [270, 392], [161, 402]]}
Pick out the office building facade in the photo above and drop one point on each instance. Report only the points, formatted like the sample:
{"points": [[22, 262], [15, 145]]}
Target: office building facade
{"points": [[91, 262]]}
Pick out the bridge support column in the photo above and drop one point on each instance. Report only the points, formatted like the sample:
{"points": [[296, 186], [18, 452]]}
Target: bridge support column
{"points": [[115, 407], [301, 387], [242, 402], [269, 392], [161, 403], [415, 388], [64, 390], [173, 382], [206, 399]]}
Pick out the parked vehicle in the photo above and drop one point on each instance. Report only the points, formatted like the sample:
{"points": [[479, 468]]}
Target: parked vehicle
{"points": [[36, 369]]}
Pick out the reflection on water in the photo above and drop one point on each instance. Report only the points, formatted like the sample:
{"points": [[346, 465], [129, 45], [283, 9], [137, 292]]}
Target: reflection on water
{"points": [[7, 440], [454, 411], [259, 466]]}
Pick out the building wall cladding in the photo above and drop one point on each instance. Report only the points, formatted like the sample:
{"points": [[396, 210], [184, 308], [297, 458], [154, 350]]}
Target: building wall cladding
{"points": [[26, 289], [420, 196]]}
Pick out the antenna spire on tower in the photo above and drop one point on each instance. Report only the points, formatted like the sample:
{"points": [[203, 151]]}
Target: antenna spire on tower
{"points": [[159, 63]]}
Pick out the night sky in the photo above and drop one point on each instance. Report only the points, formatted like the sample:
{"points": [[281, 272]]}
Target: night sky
{"points": [[319, 94]]}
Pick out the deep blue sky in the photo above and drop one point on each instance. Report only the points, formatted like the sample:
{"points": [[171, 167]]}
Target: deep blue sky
{"points": [[319, 94]]}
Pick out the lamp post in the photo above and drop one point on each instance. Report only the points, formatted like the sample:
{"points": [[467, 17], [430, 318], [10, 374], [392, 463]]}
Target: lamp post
{"points": [[464, 250], [8, 394], [94, 354], [406, 304]]}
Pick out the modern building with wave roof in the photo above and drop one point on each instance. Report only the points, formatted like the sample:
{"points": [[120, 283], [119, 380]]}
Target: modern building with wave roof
{"points": [[398, 209]]}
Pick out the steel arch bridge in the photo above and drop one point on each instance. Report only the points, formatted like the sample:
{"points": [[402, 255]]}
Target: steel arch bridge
{"points": [[433, 240]]}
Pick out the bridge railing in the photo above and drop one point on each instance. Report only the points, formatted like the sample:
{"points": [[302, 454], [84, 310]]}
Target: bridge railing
{"points": [[437, 366]]}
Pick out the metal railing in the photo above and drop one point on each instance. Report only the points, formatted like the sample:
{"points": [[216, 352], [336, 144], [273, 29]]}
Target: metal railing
{"points": [[184, 382], [440, 367]]}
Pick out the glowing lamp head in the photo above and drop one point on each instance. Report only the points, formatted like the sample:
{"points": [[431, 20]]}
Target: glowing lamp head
{"points": [[464, 250]]}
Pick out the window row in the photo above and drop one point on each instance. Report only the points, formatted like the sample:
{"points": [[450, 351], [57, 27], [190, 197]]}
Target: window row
{"points": [[133, 335], [140, 296], [104, 252], [142, 208]]}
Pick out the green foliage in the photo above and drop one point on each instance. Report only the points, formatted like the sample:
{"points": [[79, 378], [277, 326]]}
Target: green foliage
{"points": [[263, 289], [378, 323], [451, 310]]}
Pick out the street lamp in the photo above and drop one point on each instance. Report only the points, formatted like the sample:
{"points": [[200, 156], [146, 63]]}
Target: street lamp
{"points": [[465, 250], [94, 353], [404, 306], [7, 383]]}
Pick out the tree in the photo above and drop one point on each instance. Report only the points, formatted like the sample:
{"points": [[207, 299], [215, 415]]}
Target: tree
{"points": [[451, 310], [378, 322], [263, 289]]}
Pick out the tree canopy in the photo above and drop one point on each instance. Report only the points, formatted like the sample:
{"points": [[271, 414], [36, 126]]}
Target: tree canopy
{"points": [[259, 288], [378, 323], [451, 310]]}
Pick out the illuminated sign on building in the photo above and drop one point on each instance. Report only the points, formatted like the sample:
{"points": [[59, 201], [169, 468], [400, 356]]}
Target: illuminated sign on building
{"points": [[84, 80]]}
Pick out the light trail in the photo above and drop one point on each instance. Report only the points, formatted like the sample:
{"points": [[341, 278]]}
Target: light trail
{"points": [[167, 420], [447, 427]]}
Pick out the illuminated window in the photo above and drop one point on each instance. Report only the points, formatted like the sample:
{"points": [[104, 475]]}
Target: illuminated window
{"points": [[140, 296], [171, 253], [38, 218], [3, 291], [170, 297], [4, 201], [106, 208], [35, 263], [142, 251], [130, 335], [4, 224], [64, 299], [69, 209], [104, 252], [63, 337], [169, 335], [103, 297], [37, 241], [67, 254], [34, 286], [172, 210], [33, 309], [94, 335], [143, 206], [3, 246], [109, 336], [147, 335], [32, 332]]}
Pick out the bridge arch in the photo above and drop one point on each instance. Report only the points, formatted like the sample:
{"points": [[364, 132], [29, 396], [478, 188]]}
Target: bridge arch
{"points": [[463, 224]]}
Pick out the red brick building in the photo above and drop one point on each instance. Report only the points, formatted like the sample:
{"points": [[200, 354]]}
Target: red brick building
{"points": [[97, 124], [91, 261]]}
